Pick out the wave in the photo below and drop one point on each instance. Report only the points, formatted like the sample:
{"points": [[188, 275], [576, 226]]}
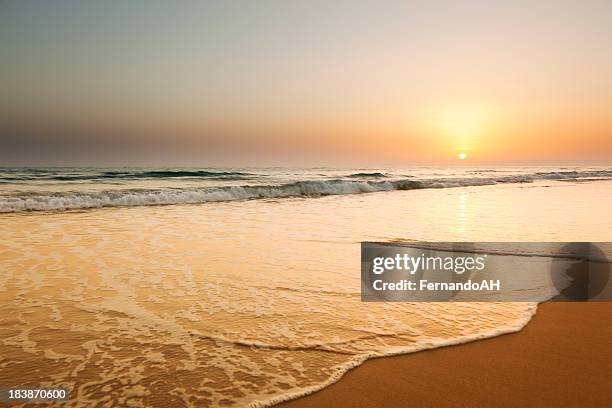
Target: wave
{"points": [[483, 171], [117, 174], [426, 344], [310, 188], [178, 173], [364, 175], [568, 175]]}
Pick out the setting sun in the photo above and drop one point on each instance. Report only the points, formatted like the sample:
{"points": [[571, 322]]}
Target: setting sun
{"points": [[462, 156]]}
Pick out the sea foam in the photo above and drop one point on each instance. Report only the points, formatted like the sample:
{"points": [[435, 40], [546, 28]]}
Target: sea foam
{"points": [[59, 201]]}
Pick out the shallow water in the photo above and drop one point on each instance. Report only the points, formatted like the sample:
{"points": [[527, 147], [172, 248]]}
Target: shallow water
{"points": [[249, 302]]}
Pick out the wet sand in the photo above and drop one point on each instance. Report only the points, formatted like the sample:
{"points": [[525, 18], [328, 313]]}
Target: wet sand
{"points": [[563, 358]]}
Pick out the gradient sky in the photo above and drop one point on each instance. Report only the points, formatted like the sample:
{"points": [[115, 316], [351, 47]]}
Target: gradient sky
{"points": [[278, 82]]}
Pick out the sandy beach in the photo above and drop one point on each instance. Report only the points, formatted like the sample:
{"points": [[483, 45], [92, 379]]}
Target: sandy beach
{"points": [[562, 358]]}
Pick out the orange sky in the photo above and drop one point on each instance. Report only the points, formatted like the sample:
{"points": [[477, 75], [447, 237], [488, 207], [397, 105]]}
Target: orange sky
{"points": [[365, 82]]}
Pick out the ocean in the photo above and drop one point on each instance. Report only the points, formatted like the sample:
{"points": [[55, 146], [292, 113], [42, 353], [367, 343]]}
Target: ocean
{"points": [[158, 287], [56, 189]]}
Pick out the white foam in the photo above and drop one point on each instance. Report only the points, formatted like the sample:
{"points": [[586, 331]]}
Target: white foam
{"points": [[423, 345], [309, 188]]}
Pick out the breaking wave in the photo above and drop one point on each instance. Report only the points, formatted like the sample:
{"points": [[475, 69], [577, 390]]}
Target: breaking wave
{"points": [[309, 188]]}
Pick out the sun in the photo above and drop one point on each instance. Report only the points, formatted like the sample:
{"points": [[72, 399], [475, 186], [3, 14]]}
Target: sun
{"points": [[462, 128]]}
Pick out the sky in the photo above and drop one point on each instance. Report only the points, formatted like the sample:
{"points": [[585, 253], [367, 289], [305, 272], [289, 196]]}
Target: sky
{"points": [[304, 82]]}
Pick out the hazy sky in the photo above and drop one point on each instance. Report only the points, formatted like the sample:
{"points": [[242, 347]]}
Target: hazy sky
{"points": [[264, 82]]}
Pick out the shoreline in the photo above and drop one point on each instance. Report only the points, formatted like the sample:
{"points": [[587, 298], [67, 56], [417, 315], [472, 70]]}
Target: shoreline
{"points": [[562, 357]]}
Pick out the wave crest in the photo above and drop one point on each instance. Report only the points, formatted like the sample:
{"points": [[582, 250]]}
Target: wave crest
{"points": [[128, 174], [309, 188], [367, 175]]}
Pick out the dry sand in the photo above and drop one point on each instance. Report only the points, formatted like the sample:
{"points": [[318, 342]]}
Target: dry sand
{"points": [[563, 358]]}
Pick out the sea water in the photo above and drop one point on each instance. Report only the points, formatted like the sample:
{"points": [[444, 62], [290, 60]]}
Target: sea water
{"points": [[243, 288]]}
